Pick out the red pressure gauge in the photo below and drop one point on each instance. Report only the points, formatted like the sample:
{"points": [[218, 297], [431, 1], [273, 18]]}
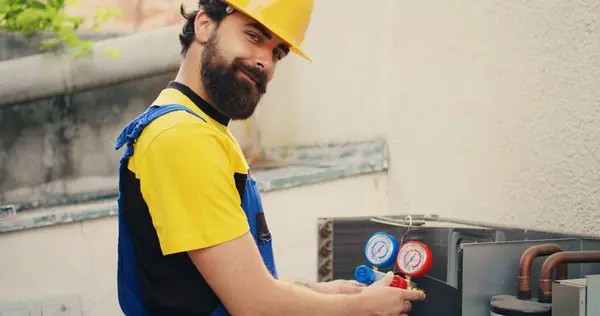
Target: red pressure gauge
{"points": [[414, 259]]}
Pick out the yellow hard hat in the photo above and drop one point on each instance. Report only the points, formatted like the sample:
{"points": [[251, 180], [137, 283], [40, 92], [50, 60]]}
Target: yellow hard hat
{"points": [[288, 19]]}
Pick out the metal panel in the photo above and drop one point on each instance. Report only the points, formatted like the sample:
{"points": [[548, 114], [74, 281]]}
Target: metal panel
{"points": [[588, 268], [491, 268], [19, 312], [68, 305], [569, 297], [593, 295], [441, 299], [459, 237]]}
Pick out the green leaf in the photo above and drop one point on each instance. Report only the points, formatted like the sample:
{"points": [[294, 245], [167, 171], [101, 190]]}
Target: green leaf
{"points": [[49, 43], [112, 52], [31, 16], [37, 5], [12, 14]]}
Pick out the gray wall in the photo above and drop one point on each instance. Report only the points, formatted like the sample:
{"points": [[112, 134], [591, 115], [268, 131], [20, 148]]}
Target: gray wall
{"points": [[57, 147]]}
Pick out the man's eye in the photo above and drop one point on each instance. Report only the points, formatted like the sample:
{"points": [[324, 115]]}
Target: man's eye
{"points": [[253, 37]]}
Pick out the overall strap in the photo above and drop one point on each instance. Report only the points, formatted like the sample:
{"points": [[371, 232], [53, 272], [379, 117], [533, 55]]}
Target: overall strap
{"points": [[129, 292], [133, 130]]}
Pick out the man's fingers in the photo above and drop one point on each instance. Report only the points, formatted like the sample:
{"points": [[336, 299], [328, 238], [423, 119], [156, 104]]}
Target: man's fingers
{"points": [[354, 290], [407, 306], [351, 288], [413, 295], [357, 284], [386, 280]]}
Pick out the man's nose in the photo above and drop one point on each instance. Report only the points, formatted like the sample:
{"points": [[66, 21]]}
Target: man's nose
{"points": [[264, 62]]}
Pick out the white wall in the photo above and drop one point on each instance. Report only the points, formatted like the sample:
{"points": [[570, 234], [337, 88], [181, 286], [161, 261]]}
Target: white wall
{"points": [[81, 258], [491, 108], [343, 94], [496, 114]]}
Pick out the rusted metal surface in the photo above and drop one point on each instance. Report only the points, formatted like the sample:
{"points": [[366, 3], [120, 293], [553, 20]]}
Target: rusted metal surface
{"points": [[325, 251]]}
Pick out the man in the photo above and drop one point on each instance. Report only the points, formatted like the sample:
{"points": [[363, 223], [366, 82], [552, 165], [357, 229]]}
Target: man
{"points": [[193, 238]]}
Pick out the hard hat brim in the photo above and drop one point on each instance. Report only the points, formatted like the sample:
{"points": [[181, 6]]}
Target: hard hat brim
{"points": [[282, 35], [299, 52]]}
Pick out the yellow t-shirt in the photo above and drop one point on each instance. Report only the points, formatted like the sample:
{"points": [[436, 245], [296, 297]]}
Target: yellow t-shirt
{"points": [[191, 174]]}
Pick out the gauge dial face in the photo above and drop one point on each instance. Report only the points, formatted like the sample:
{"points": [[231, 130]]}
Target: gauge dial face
{"points": [[414, 259], [381, 249]]}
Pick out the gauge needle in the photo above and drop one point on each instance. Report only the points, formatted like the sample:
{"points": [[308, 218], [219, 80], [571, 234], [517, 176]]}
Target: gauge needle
{"points": [[411, 258], [378, 250]]}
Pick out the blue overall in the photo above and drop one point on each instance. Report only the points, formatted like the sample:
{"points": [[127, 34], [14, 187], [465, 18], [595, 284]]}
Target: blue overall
{"points": [[130, 296]]}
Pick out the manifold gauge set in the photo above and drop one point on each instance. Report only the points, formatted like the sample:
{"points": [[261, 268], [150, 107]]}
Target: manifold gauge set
{"points": [[411, 259]]}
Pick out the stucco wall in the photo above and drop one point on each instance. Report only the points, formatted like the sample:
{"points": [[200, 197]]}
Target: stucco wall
{"points": [[491, 109], [496, 114], [64, 145], [80, 259]]}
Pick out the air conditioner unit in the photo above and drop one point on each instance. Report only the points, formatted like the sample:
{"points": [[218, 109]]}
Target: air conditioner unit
{"points": [[472, 262]]}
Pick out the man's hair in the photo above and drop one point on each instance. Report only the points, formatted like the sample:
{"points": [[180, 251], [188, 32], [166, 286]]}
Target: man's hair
{"points": [[215, 9]]}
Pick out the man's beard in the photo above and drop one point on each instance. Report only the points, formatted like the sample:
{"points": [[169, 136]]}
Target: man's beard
{"points": [[230, 94]]}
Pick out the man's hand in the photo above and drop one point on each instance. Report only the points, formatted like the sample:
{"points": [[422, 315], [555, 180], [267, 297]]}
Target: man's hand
{"points": [[331, 287], [383, 300], [338, 287]]}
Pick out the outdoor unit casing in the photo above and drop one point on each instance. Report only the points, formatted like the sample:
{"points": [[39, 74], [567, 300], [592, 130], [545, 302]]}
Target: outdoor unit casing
{"points": [[576, 297]]}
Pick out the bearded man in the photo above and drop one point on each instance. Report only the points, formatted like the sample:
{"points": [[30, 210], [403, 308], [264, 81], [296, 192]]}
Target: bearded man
{"points": [[193, 238]]}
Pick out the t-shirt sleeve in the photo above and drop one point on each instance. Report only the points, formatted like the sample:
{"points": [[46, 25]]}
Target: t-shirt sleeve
{"points": [[188, 184]]}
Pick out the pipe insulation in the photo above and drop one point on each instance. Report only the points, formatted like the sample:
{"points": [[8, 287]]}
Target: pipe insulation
{"points": [[49, 74]]}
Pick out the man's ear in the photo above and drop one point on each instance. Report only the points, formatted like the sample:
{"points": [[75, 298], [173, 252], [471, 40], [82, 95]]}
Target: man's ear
{"points": [[203, 27]]}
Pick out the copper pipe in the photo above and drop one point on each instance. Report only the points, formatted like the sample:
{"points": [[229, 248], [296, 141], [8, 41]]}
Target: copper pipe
{"points": [[562, 271], [561, 258], [525, 267]]}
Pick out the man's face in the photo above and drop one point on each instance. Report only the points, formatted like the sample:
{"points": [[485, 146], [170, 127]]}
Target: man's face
{"points": [[237, 63]]}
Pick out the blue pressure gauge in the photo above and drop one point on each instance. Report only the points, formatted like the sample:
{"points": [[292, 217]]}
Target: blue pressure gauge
{"points": [[381, 250]]}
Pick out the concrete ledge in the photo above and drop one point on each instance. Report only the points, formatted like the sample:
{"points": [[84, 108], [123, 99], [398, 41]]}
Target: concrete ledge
{"points": [[291, 167], [65, 74]]}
